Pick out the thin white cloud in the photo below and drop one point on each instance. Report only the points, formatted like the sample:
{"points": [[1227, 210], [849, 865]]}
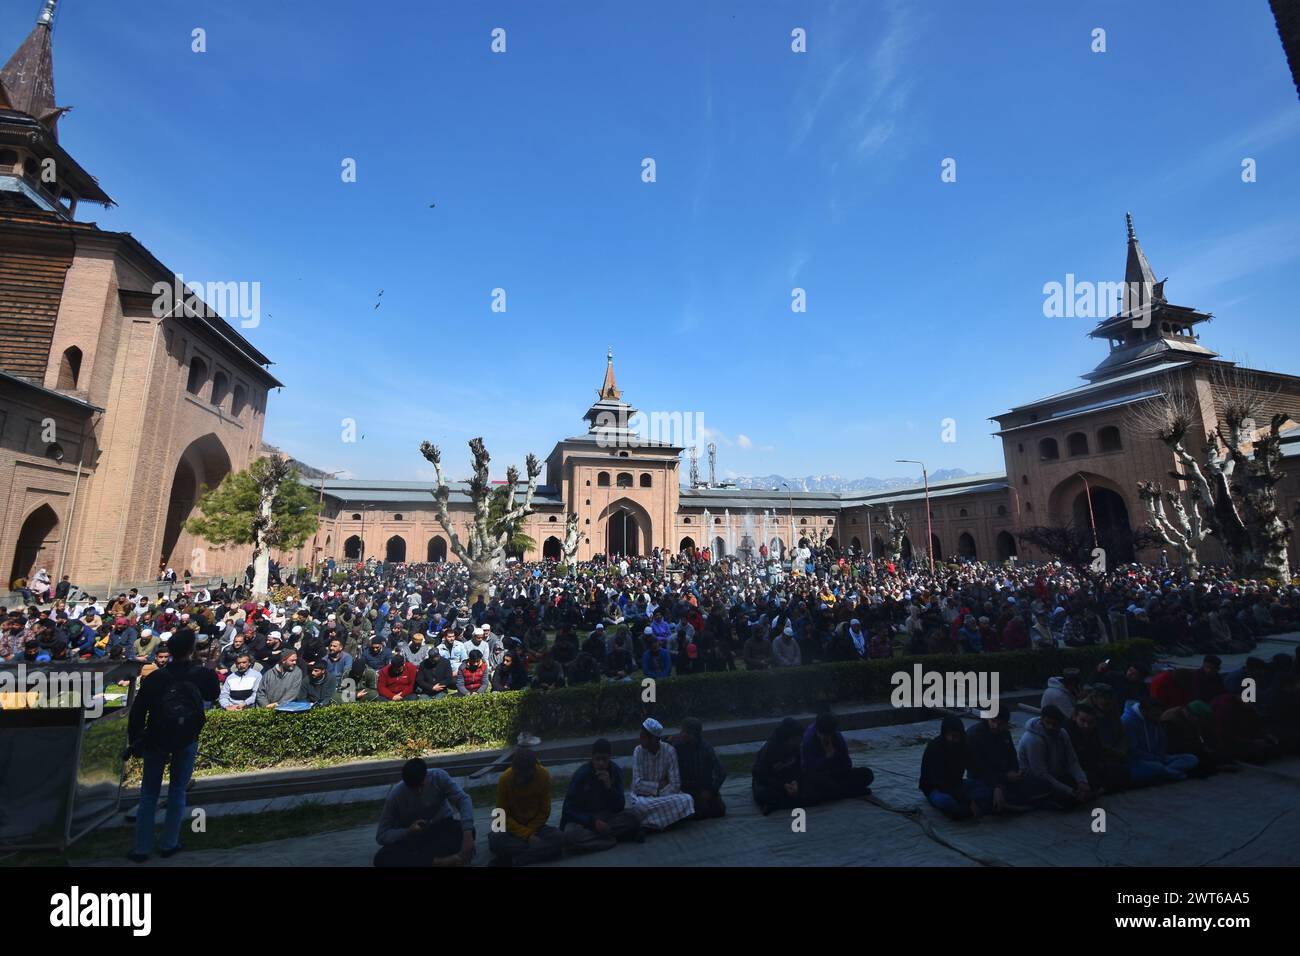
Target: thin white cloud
{"points": [[1235, 256]]}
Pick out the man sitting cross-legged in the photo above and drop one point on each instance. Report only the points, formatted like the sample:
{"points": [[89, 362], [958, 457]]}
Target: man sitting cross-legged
{"points": [[702, 772], [1047, 758], [827, 769], [417, 828], [943, 766], [657, 797], [524, 799], [994, 768], [595, 814]]}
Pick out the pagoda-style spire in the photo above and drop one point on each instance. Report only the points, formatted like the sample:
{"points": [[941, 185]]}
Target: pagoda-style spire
{"points": [[27, 80], [609, 389], [1140, 286]]}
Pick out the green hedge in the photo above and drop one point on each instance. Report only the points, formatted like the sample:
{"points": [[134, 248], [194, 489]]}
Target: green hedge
{"points": [[255, 739]]}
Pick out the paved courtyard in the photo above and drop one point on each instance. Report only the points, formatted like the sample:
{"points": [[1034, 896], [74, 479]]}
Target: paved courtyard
{"points": [[1244, 818]]}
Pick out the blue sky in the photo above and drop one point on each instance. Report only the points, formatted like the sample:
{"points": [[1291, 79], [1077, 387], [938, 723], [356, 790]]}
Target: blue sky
{"points": [[774, 170]]}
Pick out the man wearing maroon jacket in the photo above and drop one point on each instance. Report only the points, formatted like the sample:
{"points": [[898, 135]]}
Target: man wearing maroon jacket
{"points": [[397, 680]]}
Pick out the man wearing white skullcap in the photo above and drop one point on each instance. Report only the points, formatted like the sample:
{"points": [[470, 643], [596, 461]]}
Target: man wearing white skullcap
{"points": [[657, 797]]}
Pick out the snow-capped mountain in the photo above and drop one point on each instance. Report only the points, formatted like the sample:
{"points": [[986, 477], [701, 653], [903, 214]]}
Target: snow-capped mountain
{"points": [[837, 483]]}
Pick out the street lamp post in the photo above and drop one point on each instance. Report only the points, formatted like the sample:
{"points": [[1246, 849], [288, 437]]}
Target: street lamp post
{"points": [[789, 497], [320, 501], [929, 529]]}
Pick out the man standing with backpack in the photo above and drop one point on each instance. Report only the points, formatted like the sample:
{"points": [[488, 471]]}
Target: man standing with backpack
{"points": [[163, 728]]}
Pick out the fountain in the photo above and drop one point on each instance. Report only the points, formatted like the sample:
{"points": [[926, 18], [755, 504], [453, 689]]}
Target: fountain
{"points": [[748, 550]]}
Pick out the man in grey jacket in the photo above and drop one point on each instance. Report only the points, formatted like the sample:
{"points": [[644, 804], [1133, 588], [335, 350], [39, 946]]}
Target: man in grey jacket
{"points": [[417, 828], [1047, 757], [280, 683], [785, 649], [416, 649]]}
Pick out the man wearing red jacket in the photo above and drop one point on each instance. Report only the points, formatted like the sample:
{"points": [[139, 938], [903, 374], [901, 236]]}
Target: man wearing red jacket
{"points": [[397, 680]]}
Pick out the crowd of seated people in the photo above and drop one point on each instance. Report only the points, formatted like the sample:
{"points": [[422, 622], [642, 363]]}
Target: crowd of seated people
{"points": [[1118, 731], [428, 820]]}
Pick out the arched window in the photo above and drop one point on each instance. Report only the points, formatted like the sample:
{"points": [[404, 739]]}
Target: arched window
{"points": [[1048, 450], [624, 479], [1108, 439], [397, 517], [70, 368], [1002, 510], [220, 388], [239, 400], [717, 521], [602, 480], [356, 517], [645, 480], [962, 513], [552, 519], [966, 546], [686, 521], [803, 520], [198, 375], [1077, 443]]}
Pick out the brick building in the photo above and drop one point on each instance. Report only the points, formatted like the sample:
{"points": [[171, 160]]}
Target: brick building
{"points": [[1072, 458], [114, 413]]}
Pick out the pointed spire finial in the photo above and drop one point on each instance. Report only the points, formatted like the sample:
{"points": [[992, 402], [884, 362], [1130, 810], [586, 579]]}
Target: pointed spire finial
{"points": [[46, 19], [1128, 219], [609, 389]]}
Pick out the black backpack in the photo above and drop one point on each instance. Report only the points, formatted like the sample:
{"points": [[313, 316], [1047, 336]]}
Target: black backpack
{"points": [[179, 715]]}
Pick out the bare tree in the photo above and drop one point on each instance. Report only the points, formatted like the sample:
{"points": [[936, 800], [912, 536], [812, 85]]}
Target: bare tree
{"points": [[486, 550], [1233, 485], [897, 525], [572, 537], [1184, 531], [1068, 544]]}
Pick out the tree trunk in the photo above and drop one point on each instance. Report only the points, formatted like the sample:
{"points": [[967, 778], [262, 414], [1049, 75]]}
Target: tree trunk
{"points": [[261, 553]]}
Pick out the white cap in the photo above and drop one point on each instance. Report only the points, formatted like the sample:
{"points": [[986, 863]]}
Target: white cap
{"points": [[478, 632], [297, 629]]}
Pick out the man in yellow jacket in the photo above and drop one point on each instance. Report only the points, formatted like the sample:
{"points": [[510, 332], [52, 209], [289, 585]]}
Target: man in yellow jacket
{"points": [[521, 830]]}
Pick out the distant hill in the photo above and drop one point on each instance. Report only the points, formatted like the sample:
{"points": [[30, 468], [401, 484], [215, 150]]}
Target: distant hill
{"points": [[305, 470], [836, 483]]}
